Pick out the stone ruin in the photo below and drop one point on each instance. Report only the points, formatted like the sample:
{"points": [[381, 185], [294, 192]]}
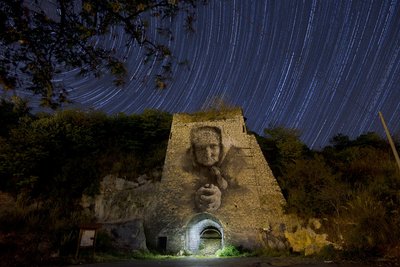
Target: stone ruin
{"points": [[216, 189]]}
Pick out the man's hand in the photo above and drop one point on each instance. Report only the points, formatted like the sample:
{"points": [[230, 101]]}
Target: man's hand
{"points": [[222, 183], [208, 198]]}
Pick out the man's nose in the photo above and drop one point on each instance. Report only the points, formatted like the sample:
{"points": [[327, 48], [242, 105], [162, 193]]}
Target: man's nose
{"points": [[209, 151]]}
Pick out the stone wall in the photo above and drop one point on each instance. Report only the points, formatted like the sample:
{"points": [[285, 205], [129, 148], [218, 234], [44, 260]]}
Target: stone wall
{"points": [[120, 208], [216, 189], [214, 177]]}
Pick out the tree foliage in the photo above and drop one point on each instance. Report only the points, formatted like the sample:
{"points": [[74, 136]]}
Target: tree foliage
{"points": [[47, 162], [10, 113], [282, 147], [39, 39], [313, 190], [351, 185], [64, 154]]}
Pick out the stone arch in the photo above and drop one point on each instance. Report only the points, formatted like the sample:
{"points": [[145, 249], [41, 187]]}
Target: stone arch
{"points": [[210, 241], [203, 226]]}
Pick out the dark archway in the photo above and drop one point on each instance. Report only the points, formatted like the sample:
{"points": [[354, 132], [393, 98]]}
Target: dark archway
{"points": [[210, 241], [204, 234]]}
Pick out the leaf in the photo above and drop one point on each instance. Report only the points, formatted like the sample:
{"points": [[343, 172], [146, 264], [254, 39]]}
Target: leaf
{"points": [[87, 7]]}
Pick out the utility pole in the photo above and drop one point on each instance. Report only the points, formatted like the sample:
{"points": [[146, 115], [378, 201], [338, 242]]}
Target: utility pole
{"points": [[396, 156]]}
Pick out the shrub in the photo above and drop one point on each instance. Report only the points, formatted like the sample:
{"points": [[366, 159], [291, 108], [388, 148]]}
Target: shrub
{"points": [[228, 251], [329, 252], [104, 242]]}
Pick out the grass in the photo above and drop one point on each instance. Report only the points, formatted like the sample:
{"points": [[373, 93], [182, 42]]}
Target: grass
{"points": [[228, 251], [139, 255]]}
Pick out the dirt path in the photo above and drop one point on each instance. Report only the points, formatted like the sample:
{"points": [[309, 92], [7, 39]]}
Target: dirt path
{"points": [[228, 262]]}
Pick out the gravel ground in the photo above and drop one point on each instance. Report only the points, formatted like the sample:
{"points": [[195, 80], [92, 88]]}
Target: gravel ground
{"points": [[235, 262]]}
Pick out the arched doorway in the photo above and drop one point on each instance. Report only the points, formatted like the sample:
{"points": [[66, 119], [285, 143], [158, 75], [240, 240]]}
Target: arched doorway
{"points": [[204, 234], [210, 241]]}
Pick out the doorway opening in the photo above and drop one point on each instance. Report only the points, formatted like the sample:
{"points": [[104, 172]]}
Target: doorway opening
{"points": [[204, 234], [162, 244], [210, 241]]}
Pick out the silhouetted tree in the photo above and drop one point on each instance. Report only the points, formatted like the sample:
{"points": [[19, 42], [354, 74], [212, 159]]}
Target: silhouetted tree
{"points": [[39, 39], [282, 147]]}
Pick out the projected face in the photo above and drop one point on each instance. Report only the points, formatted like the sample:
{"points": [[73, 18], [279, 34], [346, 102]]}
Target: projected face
{"points": [[206, 143]]}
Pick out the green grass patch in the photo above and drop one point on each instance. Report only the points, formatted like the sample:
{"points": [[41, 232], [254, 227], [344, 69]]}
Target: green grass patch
{"points": [[231, 251]]}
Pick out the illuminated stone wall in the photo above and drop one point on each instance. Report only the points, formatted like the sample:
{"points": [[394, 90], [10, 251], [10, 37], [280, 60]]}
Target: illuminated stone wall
{"points": [[215, 177]]}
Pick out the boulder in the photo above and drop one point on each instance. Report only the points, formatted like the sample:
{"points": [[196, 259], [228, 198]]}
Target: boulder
{"points": [[127, 235]]}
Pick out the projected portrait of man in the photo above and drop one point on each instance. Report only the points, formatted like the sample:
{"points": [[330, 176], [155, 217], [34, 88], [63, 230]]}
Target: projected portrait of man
{"points": [[209, 158]]}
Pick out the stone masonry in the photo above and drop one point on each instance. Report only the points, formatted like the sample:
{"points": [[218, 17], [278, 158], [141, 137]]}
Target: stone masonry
{"points": [[215, 185]]}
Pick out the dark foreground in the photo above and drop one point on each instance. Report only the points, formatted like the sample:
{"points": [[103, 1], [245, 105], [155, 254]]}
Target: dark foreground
{"points": [[228, 262]]}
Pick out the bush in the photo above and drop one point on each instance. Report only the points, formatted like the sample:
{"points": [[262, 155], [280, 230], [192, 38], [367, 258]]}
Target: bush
{"points": [[329, 252], [228, 251], [104, 242], [364, 225]]}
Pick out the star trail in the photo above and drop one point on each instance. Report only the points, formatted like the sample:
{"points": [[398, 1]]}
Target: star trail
{"points": [[323, 67]]}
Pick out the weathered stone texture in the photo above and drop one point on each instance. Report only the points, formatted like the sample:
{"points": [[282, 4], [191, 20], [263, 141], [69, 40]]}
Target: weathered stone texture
{"points": [[121, 200], [128, 235], [251, 202], [119, 208], [305, 239], [215, 182]]}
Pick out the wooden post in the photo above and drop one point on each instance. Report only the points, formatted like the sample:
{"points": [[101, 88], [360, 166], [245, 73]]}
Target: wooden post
{"points": [[396, 156]]}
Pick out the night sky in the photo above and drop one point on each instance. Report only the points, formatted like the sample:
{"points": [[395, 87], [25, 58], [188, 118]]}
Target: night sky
{"points": [[324, 67]]}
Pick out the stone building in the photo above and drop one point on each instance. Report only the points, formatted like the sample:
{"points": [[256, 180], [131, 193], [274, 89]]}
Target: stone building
{"points": [[216, 189]]}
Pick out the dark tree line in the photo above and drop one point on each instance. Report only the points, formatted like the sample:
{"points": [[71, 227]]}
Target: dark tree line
{"points": [[44, 151], [351, 185], [48, 161]]}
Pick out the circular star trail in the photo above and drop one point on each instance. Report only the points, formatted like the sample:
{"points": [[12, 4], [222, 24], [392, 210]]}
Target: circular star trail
{"points": [[323, 67]]}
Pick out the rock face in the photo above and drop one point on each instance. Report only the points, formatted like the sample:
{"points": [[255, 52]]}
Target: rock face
{"points": [[305, 239], [119, 208], [215, 185], [216, 189], [128, 235], [121, 200]]}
